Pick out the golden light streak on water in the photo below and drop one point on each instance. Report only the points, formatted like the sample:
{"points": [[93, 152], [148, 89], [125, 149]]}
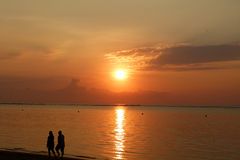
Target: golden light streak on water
{"points": [[119, 133]]}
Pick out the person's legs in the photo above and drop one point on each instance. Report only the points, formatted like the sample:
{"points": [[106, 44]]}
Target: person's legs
{"points": [[62, 151], [57, 150], [53, 152], [49, 153]]}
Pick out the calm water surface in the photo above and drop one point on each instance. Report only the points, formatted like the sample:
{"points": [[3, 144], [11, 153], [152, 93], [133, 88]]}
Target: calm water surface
{"points": [[135, 133]]}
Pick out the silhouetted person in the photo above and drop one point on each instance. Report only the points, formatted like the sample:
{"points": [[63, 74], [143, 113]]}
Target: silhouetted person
{"points": [[61, 144], [50, 144]]}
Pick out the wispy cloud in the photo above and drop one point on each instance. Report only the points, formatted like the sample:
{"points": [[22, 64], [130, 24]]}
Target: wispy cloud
{"points": [[178, 57], [9, 55], [137, 58], [44, 51]]}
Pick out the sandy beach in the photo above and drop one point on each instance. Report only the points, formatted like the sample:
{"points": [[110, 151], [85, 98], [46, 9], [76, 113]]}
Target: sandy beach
{"points": [[15, 155]]}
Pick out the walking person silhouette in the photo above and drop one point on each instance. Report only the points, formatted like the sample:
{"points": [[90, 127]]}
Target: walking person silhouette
{"points": [[50, 144], [61, 144]]}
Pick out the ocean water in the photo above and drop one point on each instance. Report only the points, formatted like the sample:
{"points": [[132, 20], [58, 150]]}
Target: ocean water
{"points": [[121, 132]]}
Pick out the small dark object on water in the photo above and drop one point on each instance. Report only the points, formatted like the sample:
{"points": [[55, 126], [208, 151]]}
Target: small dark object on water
{"points": [[142, 113], [206, 115]]}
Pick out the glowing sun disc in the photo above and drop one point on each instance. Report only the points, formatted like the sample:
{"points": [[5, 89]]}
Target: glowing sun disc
{"points": [[120, 74]]}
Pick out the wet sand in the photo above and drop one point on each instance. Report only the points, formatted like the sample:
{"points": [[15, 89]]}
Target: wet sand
{"points": [[13, 155]]}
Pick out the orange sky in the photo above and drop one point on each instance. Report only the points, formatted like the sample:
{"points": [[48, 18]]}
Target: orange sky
{"points": [[174, 52]]}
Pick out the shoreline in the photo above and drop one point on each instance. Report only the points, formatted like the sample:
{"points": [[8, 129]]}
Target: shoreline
{"points": [[24, 155]]}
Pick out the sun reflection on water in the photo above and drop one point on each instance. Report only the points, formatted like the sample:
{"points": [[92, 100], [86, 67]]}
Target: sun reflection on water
{"points": [[119, 133]]}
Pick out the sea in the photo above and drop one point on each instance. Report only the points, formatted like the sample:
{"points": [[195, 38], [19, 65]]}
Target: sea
{"points": [[125, 132]]}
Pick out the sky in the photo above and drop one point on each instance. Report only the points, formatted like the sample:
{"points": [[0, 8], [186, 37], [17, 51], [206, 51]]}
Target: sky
{"points": [[173, 52]]}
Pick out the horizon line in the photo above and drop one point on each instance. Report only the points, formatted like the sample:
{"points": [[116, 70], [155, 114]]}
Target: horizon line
{"points": [[130, 105]]}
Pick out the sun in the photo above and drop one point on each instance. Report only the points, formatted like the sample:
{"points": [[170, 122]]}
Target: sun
{"points": [[120, 74]]}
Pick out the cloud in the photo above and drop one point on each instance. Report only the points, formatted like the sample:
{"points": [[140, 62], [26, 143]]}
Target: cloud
{"points": [[34, 90], [137, 58], [33, 50], [179, 57], [9, 55], [198, 54], [55, 90]]}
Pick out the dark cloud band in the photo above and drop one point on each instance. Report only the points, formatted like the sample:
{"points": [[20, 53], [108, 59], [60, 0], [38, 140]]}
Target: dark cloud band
{"points": [[198, 54], [183, 57]]}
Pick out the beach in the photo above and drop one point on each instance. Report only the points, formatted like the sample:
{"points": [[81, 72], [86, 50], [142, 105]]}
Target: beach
{"points": [[16, 155]]}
